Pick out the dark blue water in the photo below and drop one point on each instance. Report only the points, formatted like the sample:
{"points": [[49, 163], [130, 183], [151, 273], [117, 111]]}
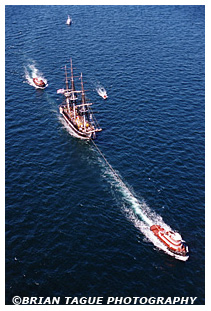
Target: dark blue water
{"points": [[72, 228]]}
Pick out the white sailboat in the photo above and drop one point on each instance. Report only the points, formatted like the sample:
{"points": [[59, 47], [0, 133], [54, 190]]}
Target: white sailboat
{"points": [[69, 20]]}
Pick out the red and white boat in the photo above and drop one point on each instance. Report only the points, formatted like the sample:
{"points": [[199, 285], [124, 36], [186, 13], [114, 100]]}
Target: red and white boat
{"points": [[39, 82], [172, 240]]}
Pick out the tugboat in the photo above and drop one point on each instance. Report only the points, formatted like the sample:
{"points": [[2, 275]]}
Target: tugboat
{"points": [[39, 82], [76, 111], [172, 240]]}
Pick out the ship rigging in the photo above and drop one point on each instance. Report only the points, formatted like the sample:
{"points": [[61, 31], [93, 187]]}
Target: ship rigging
{"points": [[76, 111]]}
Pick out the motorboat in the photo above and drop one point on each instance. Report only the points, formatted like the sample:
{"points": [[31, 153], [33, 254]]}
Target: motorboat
{"points": [[39, 82], [102, 93], [172, 240]]}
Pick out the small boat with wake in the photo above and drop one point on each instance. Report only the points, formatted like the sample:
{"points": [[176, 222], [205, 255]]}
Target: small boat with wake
{"points": [[76, 111], [39, 82], [172, 240], [102, 92]]}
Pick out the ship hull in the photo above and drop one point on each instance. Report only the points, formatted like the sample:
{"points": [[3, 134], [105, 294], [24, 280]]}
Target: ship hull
{"points": [[74, 130]]}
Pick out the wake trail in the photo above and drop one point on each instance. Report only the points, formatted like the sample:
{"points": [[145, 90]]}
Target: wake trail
{"points": [[138, 211], [128, 195]]}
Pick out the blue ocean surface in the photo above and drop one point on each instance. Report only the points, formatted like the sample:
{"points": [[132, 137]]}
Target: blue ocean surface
{"points": [[72, 227]]}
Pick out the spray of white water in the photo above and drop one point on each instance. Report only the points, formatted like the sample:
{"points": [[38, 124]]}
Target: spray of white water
{"points": [[32, 72], [101, 90]]}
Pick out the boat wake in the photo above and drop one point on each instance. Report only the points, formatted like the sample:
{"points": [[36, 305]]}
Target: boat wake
{"points": [[135, 210], [101, 91], [32, 72]]}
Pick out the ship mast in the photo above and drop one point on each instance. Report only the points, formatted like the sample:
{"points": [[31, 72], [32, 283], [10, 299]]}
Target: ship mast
{"points": [[73, 97], [66, 79], [72, 79], [67, 90], [83, 99]]}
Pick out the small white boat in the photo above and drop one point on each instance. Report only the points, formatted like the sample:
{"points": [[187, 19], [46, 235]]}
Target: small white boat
{"points": [[69, 20], [102, 93]]}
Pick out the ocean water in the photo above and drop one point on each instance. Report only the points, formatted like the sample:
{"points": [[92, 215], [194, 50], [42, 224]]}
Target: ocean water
{"points": [[73, 226]]}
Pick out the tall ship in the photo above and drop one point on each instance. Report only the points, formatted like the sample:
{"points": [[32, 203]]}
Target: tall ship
{"points": [[76, 111]]}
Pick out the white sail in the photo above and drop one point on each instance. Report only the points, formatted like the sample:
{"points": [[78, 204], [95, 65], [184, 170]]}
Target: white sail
{"points": [[69, 21]]}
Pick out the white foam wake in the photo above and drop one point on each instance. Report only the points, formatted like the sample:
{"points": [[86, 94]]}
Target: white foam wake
{"points": [[101, 91], [139, 207], [137, 211]]}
